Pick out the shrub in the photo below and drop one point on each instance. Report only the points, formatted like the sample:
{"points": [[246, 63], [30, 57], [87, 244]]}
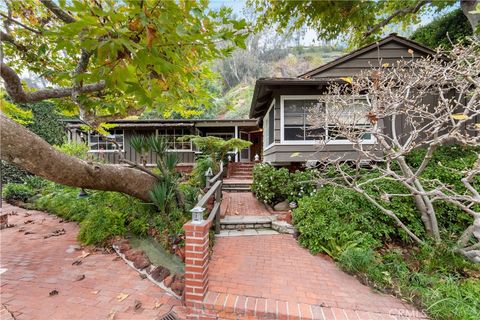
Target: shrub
{"points": [[356, 260], [45, 124], [273, 185], [75, 149], [17, 192], [197, 177], [11, 173], [332, 221], [101, 215]]}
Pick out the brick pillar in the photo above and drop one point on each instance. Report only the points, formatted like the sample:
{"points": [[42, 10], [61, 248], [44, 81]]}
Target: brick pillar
{"points": [[196, 261]]}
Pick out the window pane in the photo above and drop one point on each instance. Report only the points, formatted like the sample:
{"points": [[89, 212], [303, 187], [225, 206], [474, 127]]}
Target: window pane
{"points": [[295, 119], [294, 133], [315, 134]]}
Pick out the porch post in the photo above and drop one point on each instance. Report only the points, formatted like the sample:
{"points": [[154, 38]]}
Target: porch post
{"points": [[236, 149]]}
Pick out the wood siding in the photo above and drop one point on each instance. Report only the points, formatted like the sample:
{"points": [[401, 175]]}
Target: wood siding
{"points": [[388, 53]]}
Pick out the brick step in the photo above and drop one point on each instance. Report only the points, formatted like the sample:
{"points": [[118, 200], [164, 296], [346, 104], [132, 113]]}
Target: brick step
{"points": [[233, 306], [241, 176], [242, 171]]}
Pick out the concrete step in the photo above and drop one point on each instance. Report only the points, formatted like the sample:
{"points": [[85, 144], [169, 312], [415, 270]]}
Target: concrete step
{"points": [[247, 232], [237, 188], [246, 222]]}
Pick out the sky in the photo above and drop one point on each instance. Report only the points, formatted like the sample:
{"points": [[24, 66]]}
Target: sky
{"points": [[310, 36]]}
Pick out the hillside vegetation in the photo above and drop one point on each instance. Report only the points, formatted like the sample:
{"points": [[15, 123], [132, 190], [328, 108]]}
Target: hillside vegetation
{"points": [[239, 73]]}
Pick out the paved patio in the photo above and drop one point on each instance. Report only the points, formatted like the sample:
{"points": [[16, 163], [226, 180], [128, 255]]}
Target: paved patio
{"points": [[242, 203], [271, 276], [39, 281]]}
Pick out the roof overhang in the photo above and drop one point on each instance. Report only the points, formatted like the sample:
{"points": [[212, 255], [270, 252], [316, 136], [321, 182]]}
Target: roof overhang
{"points": [[264, 87]]}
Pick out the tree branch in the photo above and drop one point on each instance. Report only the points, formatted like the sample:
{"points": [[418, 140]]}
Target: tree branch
{"points": [[5, 37], [57, 11], [399, 12], [20, 24], [14, 88]]}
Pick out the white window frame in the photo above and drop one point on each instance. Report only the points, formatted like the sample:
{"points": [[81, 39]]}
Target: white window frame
{"points": [[372, 140], [105, 151], [265, 132], [175, 150]]}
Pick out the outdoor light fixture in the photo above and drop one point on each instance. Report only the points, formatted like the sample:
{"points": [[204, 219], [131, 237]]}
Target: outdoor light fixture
{"points": [[209, 172], [257, 157], [229, 158], [82, 194], [197, 214]]}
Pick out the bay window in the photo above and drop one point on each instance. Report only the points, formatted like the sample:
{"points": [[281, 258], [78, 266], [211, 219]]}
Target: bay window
{"points": [[269, 126], [296, 129]]}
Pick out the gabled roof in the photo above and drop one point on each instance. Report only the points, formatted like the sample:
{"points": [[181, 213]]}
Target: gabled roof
{"points": [[391, 38]]}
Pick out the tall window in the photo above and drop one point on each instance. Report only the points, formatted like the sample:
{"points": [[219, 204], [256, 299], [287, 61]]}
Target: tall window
{"points": [[269, 126], [295, 123], [100, 143]]}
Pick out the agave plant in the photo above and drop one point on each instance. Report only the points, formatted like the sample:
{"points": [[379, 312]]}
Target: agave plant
{"points": [[162, 194], [140, 145]]}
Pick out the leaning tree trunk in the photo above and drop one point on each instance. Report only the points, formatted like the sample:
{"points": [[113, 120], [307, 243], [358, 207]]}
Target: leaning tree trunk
{"points": [[28, 151], [468, 6]]}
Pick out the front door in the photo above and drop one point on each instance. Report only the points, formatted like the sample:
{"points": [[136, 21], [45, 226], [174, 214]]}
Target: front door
{"points": [[245, 153]]}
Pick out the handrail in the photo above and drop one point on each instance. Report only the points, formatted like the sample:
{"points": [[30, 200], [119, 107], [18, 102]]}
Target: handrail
{"points": [[216, 177], [209, 193], [214, 190]]}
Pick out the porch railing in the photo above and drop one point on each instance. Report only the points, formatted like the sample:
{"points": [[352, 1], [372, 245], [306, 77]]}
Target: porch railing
{"points": [[214, 186]]}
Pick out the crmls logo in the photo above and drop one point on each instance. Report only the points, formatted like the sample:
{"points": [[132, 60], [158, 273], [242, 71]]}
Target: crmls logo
{"points": [[405, 314]]}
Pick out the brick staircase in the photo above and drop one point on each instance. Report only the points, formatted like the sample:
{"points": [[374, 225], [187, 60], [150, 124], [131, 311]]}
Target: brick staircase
{"points": [[241, 170], [239, 177]]}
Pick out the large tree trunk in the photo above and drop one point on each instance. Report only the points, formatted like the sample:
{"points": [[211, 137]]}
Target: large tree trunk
{"points": [[28, 151], [467, 7]]}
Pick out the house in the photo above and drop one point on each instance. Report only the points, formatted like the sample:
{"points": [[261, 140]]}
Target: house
{"points": [[105, 150], [281, 104]]}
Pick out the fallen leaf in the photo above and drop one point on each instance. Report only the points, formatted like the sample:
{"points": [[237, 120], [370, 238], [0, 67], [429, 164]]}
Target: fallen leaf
{"points": [[386, 65], [53, 293], [157, 305], [295, 154], [459, 116], [477, 125], [80, 277], [347, 79], [77, 262], [111, 315], [83, 255], [96, 292], [122, 296], [137, 304]]}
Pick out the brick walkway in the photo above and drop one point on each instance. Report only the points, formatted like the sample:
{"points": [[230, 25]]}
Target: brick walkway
{"points": [[242, 203], [36, 266], [272, 277]]}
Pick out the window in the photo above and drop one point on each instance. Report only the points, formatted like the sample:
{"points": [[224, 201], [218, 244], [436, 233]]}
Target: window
{"points": [[269, 126], [295, 122], [100, 143], [172, 136], [296, 128]]}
